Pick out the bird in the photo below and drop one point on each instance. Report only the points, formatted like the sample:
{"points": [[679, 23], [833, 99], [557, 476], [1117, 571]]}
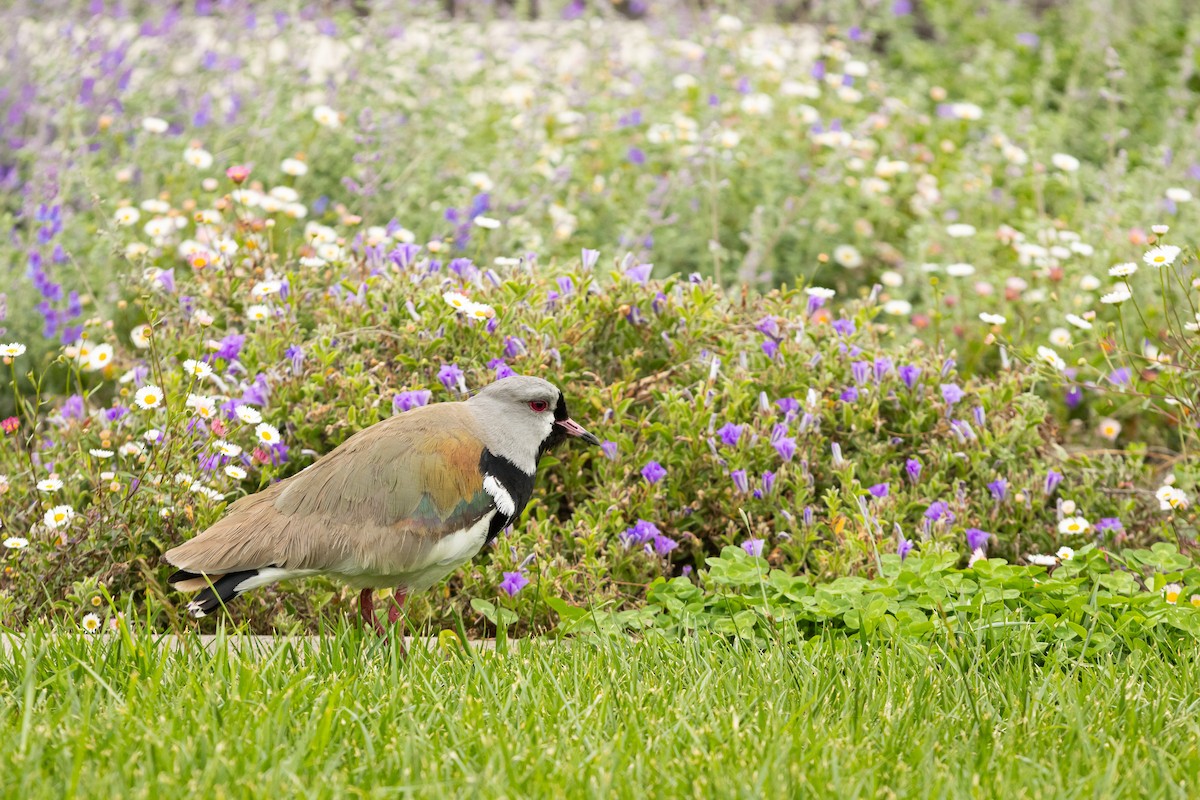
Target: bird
{"points": [[400, 504]]}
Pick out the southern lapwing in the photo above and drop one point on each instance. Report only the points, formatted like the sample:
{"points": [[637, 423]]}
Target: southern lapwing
{"points": [[400, 504]]}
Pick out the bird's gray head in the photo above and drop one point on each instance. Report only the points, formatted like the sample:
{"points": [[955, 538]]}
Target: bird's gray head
{"points": [[522, 417]]}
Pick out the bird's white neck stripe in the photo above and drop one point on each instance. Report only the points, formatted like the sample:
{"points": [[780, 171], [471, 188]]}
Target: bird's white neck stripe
{"points": [[504, 501]]}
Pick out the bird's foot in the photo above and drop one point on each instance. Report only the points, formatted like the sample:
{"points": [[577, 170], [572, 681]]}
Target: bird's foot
{"points": [[366, 607]]}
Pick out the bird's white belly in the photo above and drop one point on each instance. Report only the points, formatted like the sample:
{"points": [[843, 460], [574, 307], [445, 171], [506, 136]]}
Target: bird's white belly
{"points": [[446, 555]]}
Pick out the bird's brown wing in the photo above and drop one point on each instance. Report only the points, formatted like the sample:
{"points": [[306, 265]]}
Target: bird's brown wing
{"points": [[378, 504]]}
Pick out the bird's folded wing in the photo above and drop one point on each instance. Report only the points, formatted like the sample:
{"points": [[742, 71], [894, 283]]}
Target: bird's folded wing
{"points": [[379, 503]]}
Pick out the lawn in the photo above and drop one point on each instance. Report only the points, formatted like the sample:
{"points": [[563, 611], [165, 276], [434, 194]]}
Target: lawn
{"points": [[887, 316], [348, 716]]}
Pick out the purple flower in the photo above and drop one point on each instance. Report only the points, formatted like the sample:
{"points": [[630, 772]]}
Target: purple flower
{"points": [[1109, 524], [1053, 479], [664, 544], [636, 156], [609, 448], [404, 401], [980, 417], [513, 346], [450, 376], [939, 510], [589, 258], [913, 469], [768, 326], [785, 446], [639, 533], [513, 582], [230, 347], [771, 348], [1028, 39], [999, 489], [909, 374], [1073, 397], [768, 481], [753, 546], [115, 413], [883, 366], [72, 407], [951, 393], [740, 481], [904, 548], [653, 472], [640, 273], [730, 434], [977, 539], [879, 490], [901, 8], [295, 354], [860, 370], [790, 406], [849, 395], [503, 370], [1120, 376], [845, 327]]}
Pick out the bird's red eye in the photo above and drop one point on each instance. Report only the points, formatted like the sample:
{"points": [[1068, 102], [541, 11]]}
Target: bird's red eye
{"points": [[539, 405]]}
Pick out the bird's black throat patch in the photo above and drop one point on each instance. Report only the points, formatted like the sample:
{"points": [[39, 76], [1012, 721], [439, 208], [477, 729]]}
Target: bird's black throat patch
{"points": [[516, 482]]}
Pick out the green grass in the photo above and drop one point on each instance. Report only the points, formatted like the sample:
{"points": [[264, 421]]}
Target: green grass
{"points": [[602, 718]]}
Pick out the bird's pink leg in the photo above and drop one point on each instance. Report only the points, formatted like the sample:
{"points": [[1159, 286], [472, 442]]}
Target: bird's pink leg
{"points": [[397, 606], [395, 610], [366, 607]]}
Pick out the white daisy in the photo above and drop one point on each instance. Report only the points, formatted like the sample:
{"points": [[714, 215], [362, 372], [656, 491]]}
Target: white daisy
{"points": [[1177, 194], [294, 167], [1039, 560], [227, 448], [267, 434], [1051, 357], [154, 125], [258, 312], [205, 407], [1067, 163], [960, 230], [197, 369], [1109, 429], [1123, 270], [993, 319], [848, 256], [198, 157], [16, 543], [820, 291], [898, 308], [960, 270], [1079, 322], [100, 452], [487, 222], [1163, 256], [235, 472], [1073, 525], [457, 300], [58, 517], [49, 485], [1060, 337], [1118, 295], [149, 396], [1065, 553], [12, 349], [248, 415], [126, 216], [327, 117], [99, 357]]}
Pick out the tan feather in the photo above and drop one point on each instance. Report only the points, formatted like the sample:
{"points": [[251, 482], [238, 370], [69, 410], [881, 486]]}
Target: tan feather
{"points": [[376, 505]]}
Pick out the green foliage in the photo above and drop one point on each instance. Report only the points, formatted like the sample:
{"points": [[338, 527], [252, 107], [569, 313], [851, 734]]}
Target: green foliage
{"points": [[1090, 605]]}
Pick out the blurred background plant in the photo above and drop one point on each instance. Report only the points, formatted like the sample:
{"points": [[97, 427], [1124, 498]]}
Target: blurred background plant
{"points": [[858, 286]]}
